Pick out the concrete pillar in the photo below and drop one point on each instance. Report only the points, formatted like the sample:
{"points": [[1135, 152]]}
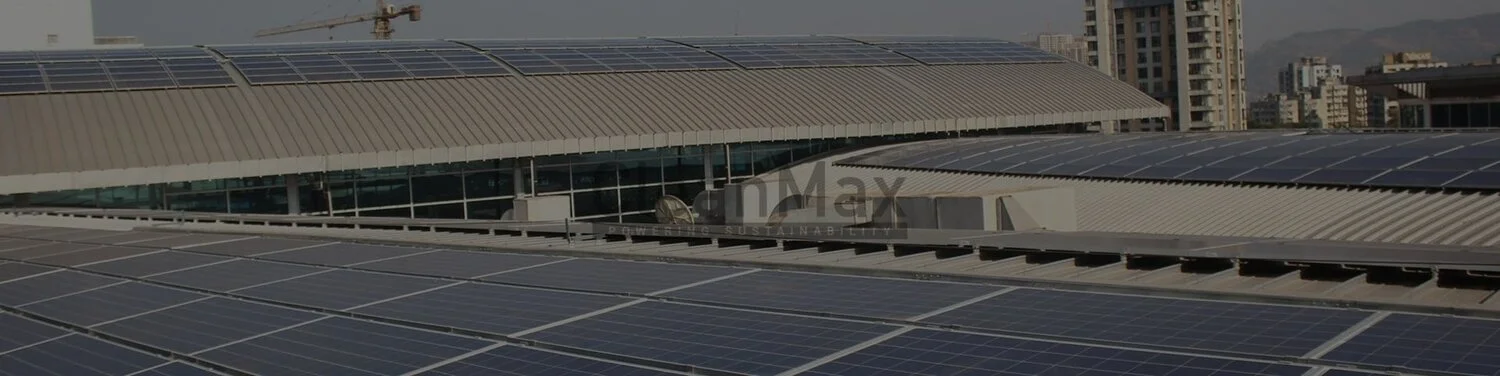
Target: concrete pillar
{"points": [[293, 194], [708, 168], [518, 175], [1427, 114]]}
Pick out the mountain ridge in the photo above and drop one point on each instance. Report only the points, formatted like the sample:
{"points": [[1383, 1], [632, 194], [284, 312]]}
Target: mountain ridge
{"points": [[1457, 41]]}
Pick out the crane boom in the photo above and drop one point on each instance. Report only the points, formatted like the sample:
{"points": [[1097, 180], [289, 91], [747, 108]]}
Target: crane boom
{"points": [[382, 17]]}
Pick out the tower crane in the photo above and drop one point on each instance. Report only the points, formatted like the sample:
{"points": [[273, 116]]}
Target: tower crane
{"points": [[382, 16]]}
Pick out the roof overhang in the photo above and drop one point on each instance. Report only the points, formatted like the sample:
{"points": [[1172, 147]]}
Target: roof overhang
{"points": [[1464, 81]]}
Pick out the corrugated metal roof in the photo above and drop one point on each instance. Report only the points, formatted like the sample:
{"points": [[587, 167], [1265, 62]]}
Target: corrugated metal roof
{"points": [[1348, 214], [68, 141]]}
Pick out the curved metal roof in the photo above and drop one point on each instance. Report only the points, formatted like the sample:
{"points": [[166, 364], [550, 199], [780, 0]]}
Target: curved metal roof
{"points": [[101, 139], [1409, 160]]}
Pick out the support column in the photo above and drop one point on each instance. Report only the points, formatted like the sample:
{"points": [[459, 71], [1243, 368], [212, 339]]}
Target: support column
{"points": [[293, 194], [728, 165], [708, 168], [518, 176]]}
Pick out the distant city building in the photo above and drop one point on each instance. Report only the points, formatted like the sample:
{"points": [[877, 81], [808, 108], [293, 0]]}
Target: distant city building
{"points": [[1276, 109], [1307, 73], [1066, 45], [1439, 97], [1383, 112], [52, 24], [1189, 54]]}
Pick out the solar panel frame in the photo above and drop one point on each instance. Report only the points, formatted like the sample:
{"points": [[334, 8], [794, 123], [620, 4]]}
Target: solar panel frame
{"points": [[15, 270], [523, 44], [76, 355], [1175, 323], [1422, 342], [255, 246], [714, 338], [846, 295], [342, 254], [800, 56], [50, 285], [612, 276], [457, 264], [1476, 180], [340, 289], [176, 369], [88, 256], [92, 307], [762, 40], [1339, 176], [972, 53], [1415, 178], [234, 275], [603, 60], [205, 324], [44, 250], [342, 346], [21, 332], [932, 39], [932, 352], [488, 308], [510, 360]]}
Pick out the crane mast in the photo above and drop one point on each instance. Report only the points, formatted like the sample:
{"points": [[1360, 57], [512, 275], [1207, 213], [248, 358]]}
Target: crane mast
{"points": [[382, 17]]}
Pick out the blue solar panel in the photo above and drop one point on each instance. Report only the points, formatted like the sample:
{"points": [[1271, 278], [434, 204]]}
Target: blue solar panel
{"points": [[114, 302], [1430, 343], [599, 60], [489, 308], [234, 275], [612, 276], [1273, 175], [923, 39], [51, 285], [341, 289], [21, 78], [336, 47], [931, 352], [729, 340], [341, 346], [523, 44], [788, 56], [76, 76], [457, 264], [17, 57], [871, 297], [197, 72], [1339, 176], [1477, 180], [973, 53], [76, 355], [176, 369], [202, 325], [521, 361], [267, 70], [1208, 325], [20, 332], [762, 40], [321, 68]]}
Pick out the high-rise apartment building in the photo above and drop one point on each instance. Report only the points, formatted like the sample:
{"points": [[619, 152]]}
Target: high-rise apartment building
{"points": [[1187, 53], [1382, 112], [1066, 45], [1307, 73]]}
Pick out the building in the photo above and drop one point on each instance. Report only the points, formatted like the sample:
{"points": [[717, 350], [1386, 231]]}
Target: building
{"points": [[1276, 109], [1188, 54], [1307, 73], [1382, 112], [469, 130], [52, 24], [1438, 97], [1070, 46]]}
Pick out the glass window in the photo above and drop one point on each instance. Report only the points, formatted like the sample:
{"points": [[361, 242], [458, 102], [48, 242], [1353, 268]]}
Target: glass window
{"points": [[1156, 26], [388, 213], [489, 184], [685, 191], [552, 179], [217, 202], [256, 182], [641, 198], [1479, 115], [380, 173], [258, 201], [81, 198], [439, 211], [342, 195], [1142, 73], [387, 192], [686, 168], [742, 164], [1140, 57], [769, 160], [595, 203], [311, 200], [135, 197], [642, 171], [489, 209], [1140, 42], [437, 188], [1156, 41], [196, 186], [595, 175]]}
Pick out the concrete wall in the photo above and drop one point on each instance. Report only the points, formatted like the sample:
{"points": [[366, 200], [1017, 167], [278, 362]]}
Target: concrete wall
{"points": [[26, 24]]}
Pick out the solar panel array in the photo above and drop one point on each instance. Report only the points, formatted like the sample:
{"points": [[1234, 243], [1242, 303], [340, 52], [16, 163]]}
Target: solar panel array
{"points": [[1417, 160], [300, 307], [358, 61], [958, 50], [30, 72], [797, 51]]}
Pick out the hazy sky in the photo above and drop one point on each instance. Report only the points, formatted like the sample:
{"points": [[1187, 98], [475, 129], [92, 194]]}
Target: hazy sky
{"points": [[169, 22]]}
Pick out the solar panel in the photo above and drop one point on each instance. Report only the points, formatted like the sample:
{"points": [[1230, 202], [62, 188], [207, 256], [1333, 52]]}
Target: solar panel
{"points": [[44, 250], [1431, 343], [17, 57], [76, 76], [1214, 173], [341, 346], [1441, 163], [20, 332], [523, 44], [18, 244], [792, 56], [1159, 172], [923, 39], [457, 264], [342, 254], [612, 276], [490, 308], [76, 355], [973, 53], [267, 70], [234, 275], [1477, 180], [187, 240], [176, 369], [10, 271], [521, 361], [255, 246], [50, 285], [202, 325], [599, 60], [1273, 175], [1415, 178], [197, 72], [722, 339], [114, 302], [1338, 176], [336, 47], [156, 263], [1344, 372], [762, 40], [871, 297], [341, 289], [128, 238], [931, 352], [91, 256], [21, 78], [1209, 325]]}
